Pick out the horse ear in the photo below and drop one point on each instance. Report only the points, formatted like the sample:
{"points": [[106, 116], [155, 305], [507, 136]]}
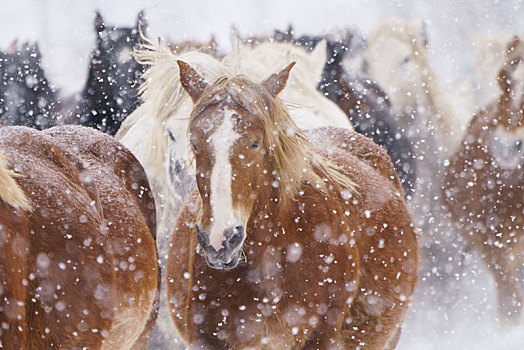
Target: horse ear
{"points": [[191, 81], [318, 58], [141, 22], [511, 61], [99, 22], [277, 81], [424, 34]]}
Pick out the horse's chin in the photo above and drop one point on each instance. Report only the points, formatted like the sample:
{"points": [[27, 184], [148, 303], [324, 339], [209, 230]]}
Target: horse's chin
{"points": [[225, 266]]}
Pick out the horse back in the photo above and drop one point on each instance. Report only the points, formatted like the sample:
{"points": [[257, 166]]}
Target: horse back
{"points": [[102, 151], [66, 254], [131, 214], [91, 263]]}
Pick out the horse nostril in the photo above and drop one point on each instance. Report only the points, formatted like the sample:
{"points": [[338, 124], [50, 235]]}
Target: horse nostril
{"points": [[236, 237], [202, 238]]}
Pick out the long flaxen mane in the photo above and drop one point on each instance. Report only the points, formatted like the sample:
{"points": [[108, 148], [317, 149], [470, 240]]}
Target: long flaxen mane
{"points": [[294, 158], [10, 192]]}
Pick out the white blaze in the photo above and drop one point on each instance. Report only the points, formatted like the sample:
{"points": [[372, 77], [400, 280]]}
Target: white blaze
{"points": [[221, 195]]}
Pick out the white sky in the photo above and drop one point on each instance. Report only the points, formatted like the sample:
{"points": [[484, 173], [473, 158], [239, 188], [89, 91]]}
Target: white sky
{"points": [[64, 27]]}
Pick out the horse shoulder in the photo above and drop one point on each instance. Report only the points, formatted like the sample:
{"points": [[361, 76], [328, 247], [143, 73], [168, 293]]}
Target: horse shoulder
{"points": [[328, 139], [179, 268]]}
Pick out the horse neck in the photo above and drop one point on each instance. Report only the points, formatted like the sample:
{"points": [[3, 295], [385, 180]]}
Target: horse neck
{"points": [[433, 92], [329, 85]]}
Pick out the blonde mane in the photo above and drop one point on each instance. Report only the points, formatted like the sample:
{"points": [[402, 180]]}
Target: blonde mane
{"points": [[10, 192], [294, 158]]}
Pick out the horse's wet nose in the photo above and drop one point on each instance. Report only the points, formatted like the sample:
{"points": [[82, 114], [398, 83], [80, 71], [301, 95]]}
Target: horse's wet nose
{"points": [[234, 237]]}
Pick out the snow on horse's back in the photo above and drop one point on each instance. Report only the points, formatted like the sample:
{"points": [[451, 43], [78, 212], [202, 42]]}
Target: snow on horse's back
{"points": [[89, 198]]}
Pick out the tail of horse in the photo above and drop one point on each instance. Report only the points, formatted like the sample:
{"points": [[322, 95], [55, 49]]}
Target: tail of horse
{"points": [[10, 192]]}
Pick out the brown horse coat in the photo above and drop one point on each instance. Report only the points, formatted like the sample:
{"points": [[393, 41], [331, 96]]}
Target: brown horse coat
{"points": [[349, 286], [79, 268]]}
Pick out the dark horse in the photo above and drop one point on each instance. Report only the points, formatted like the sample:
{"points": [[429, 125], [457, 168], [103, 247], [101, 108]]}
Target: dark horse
{"points": [[26, 98], [78, 267], [364, 101], [280, 247], [109, 95]]}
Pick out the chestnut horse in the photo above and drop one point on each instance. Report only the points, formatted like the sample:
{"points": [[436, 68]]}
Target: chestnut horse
{"points": [[280, 247], [484, 184], [77, 220]]}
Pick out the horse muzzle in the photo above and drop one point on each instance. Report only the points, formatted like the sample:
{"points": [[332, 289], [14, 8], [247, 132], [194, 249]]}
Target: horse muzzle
{"points": [[228, 255]]}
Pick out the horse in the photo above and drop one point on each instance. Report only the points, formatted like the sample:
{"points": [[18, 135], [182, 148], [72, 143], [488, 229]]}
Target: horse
{"points": [[26, 97], [77, 225], [279, 247], [483, 185], [396, 57], [109, 95], [155, 132], [433, 119]]}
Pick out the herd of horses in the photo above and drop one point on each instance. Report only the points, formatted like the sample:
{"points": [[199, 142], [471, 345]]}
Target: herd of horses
{"points": [[265, 198]]}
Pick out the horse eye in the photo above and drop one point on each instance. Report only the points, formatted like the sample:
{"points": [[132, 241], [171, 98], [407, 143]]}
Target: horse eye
{"points": [[195, 148], [255, 144], [171, 136]]}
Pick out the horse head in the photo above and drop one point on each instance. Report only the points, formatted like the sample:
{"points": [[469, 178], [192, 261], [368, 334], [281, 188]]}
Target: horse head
{"points": [[396, 58], [506, 145], [114, 72], [26, 96], [511, 81], [231, 146]]}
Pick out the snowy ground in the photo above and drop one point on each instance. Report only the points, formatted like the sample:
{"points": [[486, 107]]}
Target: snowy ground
{"points": [[453, 313]]}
